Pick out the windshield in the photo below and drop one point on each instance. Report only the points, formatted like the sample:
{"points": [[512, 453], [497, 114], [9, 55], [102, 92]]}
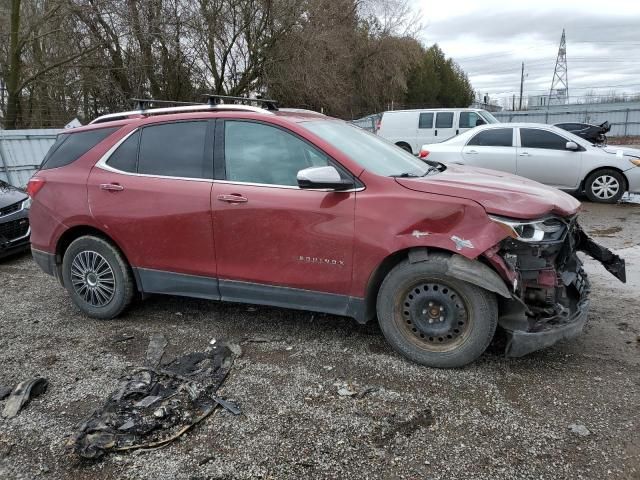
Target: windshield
{"points": [[488, 117], [368, 150]]}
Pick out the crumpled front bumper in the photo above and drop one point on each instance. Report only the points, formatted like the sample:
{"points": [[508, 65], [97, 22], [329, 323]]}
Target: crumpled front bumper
{"points": [[521, 343], [552, 302]]}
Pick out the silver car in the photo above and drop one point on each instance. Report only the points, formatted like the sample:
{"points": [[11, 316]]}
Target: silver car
{"points": [[547, 154]]}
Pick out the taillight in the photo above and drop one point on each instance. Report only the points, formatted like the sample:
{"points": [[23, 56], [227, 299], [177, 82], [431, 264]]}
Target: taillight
{"points": [[424, 153], [34, 186], [378, 125]]}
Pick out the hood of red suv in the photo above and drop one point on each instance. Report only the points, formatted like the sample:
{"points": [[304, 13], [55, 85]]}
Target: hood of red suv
{"points": [[499, 193]]}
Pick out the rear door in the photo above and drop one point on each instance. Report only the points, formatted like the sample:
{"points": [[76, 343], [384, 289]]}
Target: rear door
{"points": [[152, 194], [276, 243], [444, 127], [425, 132], [492, 148], [543, 156]]}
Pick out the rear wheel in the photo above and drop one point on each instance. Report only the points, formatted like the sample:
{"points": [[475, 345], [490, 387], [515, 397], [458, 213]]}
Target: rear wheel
{"points": [[434, 319], [97, 277], [605, 186]]}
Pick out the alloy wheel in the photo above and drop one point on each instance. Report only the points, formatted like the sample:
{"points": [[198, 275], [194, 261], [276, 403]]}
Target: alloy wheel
{"points": [[93, 278]]}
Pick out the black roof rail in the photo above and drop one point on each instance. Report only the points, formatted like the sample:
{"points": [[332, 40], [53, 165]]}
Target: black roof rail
{"points": [[143, 103], [213, 99]]}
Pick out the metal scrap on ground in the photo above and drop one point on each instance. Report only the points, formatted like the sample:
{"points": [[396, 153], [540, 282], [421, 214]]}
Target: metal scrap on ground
{"points": [[22, 394], [154, 405]]}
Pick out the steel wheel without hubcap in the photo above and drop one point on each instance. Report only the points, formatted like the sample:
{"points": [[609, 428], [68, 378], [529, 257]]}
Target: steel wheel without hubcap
{"points": [[434, 316], [605, 187], [93, 278]]}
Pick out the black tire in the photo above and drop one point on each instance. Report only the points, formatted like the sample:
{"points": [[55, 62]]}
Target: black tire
{"points": [[465, 315], [600, 184], [405, 146], [108, 290]]}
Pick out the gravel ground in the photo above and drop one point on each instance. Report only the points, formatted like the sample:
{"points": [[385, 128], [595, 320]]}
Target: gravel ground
{"points": [[571, 411]]}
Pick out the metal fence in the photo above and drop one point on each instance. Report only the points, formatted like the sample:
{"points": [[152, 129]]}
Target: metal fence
{"points": [[21, 152], [624, 122]]}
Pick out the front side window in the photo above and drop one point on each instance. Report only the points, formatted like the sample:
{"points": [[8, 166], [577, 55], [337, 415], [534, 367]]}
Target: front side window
{"points": [[534, 138], [470, 120], [175, 150], [71, 146], [444, 120], [425, 120], [258, 153], [497, 137]]}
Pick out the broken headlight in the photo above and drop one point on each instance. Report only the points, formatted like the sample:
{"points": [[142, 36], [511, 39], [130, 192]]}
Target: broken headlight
{"points": [[541, 230]]}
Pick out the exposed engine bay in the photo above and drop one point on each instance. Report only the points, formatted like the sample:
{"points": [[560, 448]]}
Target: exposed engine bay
{"points": [[550, 290]]}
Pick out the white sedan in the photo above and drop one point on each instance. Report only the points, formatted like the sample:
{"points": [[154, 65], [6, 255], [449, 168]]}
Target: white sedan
{"points": [[547, 154]]}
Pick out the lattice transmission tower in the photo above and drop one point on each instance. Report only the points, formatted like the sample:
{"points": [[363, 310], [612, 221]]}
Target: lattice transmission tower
{"points": [[559, 92]]}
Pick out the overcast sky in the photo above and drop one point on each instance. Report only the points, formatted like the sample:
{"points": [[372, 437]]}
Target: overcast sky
{"points": [[490, 39]]}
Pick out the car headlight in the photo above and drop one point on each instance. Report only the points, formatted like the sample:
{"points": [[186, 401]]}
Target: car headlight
{"points": [[26, 204], [544, 229], [635, 161]]}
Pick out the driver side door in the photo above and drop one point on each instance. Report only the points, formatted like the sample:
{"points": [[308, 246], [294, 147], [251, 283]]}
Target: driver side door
{"points": [[277, 243]]}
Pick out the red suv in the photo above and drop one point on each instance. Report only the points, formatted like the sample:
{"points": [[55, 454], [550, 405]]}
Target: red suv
{"points": [[295, 209]]}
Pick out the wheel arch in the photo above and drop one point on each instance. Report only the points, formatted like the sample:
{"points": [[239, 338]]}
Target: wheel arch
{"points": [[403, 144], [596, 169], [78, 231], [475, 272]]}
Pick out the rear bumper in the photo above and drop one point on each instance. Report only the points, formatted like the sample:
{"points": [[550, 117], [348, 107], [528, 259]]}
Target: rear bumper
{"points": [[521, 343], [46, 261]]}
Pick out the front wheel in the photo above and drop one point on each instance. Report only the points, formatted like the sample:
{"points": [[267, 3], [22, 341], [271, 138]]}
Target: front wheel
{"points": [[97, 277], [604, 186], [434, 319]]}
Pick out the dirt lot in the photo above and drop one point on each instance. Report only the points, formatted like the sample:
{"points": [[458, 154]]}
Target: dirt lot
{"points": [[495, 419]]}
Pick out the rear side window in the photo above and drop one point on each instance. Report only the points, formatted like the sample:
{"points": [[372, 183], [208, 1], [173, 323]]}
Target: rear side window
{"points": [[444, 120], [426, 120], [175, 150], [534, 138], [125, 157], [497, 137], [71, 146]]}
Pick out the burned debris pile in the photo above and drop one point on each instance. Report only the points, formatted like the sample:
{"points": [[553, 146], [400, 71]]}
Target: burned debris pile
{"points": [[155, 404]]}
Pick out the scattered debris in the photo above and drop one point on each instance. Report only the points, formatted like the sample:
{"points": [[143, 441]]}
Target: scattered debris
{"points": [[22, 394], [406, 428], [155, 350], [579, 429], [5, 392], [154, 405], [125, 337], [227, 405], [346, 391]]}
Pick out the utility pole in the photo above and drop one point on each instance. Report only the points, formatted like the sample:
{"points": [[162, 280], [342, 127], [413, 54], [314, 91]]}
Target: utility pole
{"points": [[521, 86]]}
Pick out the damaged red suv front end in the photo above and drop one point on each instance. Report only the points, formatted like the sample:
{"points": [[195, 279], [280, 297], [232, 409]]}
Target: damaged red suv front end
{"points": [[550, 290]]}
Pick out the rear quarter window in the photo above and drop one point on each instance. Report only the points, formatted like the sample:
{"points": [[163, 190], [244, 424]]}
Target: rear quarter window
{"points": [[71, 146]]}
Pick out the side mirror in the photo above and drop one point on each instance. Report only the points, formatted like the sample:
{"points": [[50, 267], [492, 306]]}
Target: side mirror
{"points": [[323, 177], [479, 122], [572, 146]]}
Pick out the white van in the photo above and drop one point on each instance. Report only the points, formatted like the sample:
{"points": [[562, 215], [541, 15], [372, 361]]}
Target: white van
{"points": [[410, 129]]}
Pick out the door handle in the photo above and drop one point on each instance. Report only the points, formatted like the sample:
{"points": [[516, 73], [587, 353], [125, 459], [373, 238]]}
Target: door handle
{"points": [[436, 133], [111, 187], [233, 198], [472, 152], [524, 154]]}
